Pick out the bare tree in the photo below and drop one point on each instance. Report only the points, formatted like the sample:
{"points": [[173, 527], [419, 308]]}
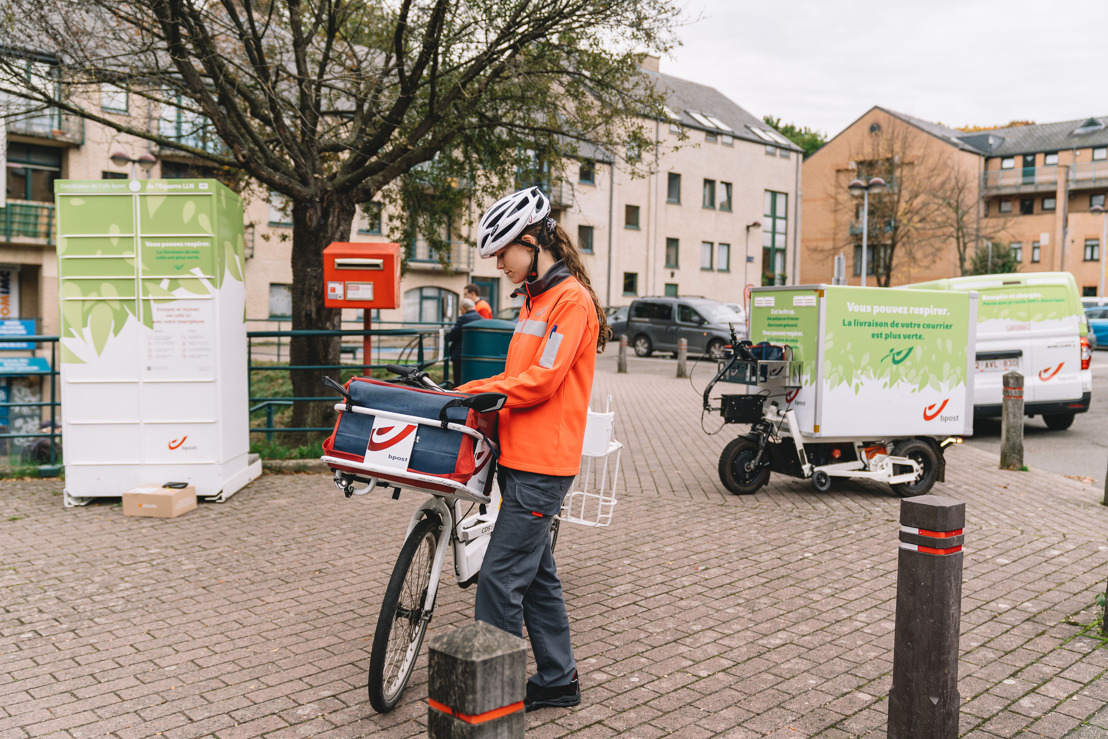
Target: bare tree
{"points": [[331, 102]]}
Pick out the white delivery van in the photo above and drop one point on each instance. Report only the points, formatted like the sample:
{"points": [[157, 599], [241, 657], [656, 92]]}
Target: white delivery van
{"points": [[1033, 323]]}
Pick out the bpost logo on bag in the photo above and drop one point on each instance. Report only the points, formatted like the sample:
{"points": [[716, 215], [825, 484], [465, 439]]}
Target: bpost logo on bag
{"points": [[390, 443], [1049, 373], [931, 412]]}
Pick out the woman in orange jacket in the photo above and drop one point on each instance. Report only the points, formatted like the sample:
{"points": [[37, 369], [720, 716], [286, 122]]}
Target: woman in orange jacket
{"points": [[548, 379]]}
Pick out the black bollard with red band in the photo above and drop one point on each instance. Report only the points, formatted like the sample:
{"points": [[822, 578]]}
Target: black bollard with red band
{"points": [[924, 699]]}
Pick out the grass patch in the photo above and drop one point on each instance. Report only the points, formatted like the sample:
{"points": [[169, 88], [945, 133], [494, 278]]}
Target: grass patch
{"points": [[274, 449]]}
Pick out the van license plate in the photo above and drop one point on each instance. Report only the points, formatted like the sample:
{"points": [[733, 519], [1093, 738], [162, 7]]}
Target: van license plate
{"points": [[998, 365]]}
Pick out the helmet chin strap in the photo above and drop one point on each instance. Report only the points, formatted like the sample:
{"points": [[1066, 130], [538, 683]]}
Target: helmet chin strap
{"points": [[534, 273]]}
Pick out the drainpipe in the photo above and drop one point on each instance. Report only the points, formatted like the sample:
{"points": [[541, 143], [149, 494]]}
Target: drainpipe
{"points": [[796, 225], [654, 229], [1065, 214], [611, 223]]}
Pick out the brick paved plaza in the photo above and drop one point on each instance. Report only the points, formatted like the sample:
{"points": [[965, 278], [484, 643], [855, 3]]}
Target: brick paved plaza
{"points": [[696, 614]]}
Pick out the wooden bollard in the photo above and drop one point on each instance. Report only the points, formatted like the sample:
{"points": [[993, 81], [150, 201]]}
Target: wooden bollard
{"points": [[682, 356], [477, 678], [1011, 423], [923, 701], [621, 361]]}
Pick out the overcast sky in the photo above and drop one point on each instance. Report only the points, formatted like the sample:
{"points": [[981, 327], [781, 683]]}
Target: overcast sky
{"points": [[823, 63]]}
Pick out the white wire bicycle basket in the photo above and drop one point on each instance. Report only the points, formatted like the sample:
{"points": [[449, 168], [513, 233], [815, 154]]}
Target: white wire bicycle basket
{"points": [[593, 500]]}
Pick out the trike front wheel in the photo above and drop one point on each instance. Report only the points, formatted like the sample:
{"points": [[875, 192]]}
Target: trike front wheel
{"points": [[405, 613], [737, 471], [927, 457]]}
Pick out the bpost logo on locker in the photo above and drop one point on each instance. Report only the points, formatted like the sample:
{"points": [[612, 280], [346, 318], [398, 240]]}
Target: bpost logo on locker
{"points": [[390, 443], [178, 445], [933, 411]]}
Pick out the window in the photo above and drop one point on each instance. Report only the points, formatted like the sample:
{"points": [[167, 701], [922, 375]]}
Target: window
{"points": [[1036, 251], [430, 305], [688, 314], [113, 175], [675, 128], [771, 151], [373, 219], [706, 249], [774, 234], [1092, 250], [585, 239], [869, 260], [1027, 206], [1049, 204], [280, 210], [187, 171], [587, 172], [723, 258], [1096, 200], [631, 216], [1008, 163], [1017, 250], [1004, 206], [725, 196], [673, 188], [710, 194], [280, 300], [671, 253], [784, 153], [710, 137], [671, 289], [31, 173], [1100, 154], [1051, 157], [727, 139], [630, 283], [113, 98]]}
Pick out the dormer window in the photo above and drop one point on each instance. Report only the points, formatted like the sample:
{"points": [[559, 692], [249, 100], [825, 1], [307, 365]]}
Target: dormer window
{"points": [[1090, 126]]}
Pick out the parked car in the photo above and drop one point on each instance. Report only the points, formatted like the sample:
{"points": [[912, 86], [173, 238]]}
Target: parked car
{"points": [[1098, 325], [655, 324]]}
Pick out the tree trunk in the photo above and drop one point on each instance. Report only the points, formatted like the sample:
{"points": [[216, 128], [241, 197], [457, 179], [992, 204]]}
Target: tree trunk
{"points": [[315, 225]]}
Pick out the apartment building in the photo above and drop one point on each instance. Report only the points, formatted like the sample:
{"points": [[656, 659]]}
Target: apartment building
{"points": [[1033, 188], [718, 211]]}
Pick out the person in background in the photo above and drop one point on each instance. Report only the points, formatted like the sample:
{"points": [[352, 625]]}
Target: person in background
{"points": [[466, 314], [547, 379], [482, 306]]}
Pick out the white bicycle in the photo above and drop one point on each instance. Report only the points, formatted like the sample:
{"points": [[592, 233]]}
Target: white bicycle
{"points": [[445, 520]]}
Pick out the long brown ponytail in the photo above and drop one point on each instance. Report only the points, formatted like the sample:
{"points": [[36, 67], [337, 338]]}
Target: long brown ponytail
{"points": [[558, 243]]}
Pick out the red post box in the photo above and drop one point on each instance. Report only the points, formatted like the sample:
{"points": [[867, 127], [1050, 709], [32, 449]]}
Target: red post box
{"points": [[365, 276]]}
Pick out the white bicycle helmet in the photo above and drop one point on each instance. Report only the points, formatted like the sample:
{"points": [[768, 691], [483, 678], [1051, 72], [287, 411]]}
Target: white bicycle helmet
{"points": [[507, 219]]}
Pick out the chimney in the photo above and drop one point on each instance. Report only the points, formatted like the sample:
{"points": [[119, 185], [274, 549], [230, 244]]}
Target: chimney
{"points": [[650, 63]]}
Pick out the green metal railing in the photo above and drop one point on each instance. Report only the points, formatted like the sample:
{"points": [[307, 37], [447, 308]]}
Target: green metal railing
{"points": [[421, 346], [23, 219], [42, 445]]}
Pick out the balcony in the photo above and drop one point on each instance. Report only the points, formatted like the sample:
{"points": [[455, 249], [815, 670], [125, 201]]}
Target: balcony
{"points": [[421, 257], [874, 229], [51, 124], [25, 222], [1045, 179]]}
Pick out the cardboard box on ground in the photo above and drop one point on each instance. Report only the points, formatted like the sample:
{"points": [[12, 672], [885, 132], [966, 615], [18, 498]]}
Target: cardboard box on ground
{"points": [[159, 501]]}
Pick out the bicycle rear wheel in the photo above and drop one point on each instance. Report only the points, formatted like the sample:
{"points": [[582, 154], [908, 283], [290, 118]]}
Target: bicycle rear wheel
{"points": [[404, 617]]}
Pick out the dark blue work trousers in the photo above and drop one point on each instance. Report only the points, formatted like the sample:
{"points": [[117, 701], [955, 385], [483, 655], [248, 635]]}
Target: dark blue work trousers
{"points": [[519, 583]]}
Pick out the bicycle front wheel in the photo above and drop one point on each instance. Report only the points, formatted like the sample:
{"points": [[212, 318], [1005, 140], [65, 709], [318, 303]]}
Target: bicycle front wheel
{"points": [[405, 613]]}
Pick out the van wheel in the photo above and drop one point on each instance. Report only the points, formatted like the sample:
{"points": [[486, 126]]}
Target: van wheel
{"points": [[1058, 421], [643, 347], [715, 349]]}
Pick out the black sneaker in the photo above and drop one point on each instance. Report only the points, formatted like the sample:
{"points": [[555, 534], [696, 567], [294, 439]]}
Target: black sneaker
{"points": [[552, 696]]}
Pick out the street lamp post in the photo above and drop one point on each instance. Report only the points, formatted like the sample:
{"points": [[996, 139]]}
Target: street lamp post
{"points": [[860, 187], [146, 161], [1103, 238]]}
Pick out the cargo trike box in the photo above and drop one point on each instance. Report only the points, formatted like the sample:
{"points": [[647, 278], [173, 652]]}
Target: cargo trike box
{"points": [[871, 362]]}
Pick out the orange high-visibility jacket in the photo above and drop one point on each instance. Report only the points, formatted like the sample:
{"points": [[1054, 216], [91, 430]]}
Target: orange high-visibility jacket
{"points": [[547, 377], [483, 308]]}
